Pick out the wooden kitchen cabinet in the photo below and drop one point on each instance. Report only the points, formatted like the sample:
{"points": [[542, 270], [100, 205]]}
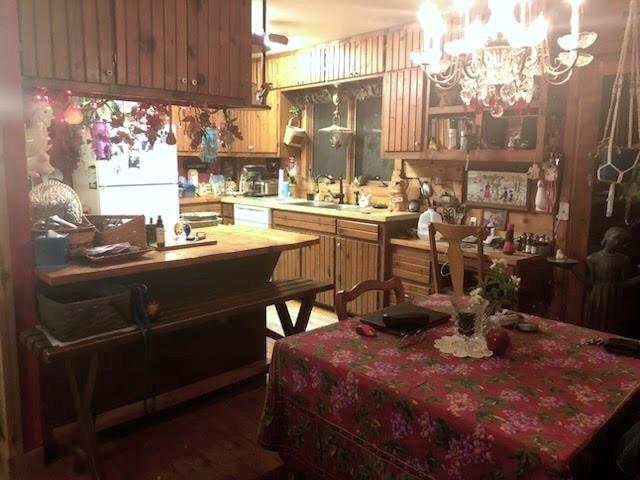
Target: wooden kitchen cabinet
{"points": [[355, 57], [260, 128], [404, 97], [400, 43], [288, 265], [302, 67], [318, 263], [183, 51], [196, 46], [357, 261], [68, 41]]}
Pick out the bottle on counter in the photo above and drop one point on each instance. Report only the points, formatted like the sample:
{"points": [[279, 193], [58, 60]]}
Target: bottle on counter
{"points": [[151, 231], [160, 232], [534, 245], [508, 247], [528, 245]]}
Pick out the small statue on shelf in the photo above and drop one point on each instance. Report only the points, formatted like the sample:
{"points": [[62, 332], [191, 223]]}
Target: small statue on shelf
{"points": [[398, 193], [608, 272]]}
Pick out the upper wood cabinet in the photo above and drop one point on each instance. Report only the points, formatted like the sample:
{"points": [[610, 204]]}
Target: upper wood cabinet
{"points": [[400, 44], [261, 130], [185, 51], [197, 46], [404, 98], [353, 57], [67, 40]]}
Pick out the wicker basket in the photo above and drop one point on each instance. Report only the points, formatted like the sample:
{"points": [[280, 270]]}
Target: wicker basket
{"points": [[131, 230], [73, 313], [78, 238]]}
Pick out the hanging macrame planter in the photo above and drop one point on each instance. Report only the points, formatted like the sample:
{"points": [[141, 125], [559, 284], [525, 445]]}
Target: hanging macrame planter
{"points": [[616, 162]]}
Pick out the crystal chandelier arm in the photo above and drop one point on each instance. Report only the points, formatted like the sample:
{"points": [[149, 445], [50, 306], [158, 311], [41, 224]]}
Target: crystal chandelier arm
{"points": [[445, 80], [468, 71], [554, 70]]}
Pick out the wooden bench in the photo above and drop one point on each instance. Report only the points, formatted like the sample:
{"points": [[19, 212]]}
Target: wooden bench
{"points": [[182, 314]]}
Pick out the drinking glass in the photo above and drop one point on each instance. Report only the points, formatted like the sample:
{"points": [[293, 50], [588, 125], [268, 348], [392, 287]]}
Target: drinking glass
{"points": [[469, 315]]}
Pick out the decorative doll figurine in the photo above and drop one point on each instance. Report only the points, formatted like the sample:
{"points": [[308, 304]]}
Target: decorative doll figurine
{"points": [[607, 277], [37, 141], [101, 140]]}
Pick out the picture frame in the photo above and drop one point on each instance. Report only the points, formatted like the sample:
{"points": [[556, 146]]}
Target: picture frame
{"points": [[472, 221], [495, 189], [494, 218]]}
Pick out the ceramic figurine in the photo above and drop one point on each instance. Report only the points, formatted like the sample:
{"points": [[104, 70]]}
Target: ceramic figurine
{"points": [[37, 141], [398, 193], [607, 277], [541, 197]]}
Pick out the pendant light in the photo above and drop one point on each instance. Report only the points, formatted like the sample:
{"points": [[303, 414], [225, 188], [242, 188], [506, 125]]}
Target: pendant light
{"points": [[338, 135]]}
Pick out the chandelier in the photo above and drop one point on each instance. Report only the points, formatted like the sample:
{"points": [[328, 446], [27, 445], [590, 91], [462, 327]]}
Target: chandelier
{"points": [[495, 63]]}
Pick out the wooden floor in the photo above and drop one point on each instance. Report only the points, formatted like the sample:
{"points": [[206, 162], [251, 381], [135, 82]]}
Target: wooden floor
{"points": [[210, 438]]}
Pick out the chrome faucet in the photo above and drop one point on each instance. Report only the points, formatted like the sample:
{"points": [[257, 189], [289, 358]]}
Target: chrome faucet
{"points": [[339, 196]]}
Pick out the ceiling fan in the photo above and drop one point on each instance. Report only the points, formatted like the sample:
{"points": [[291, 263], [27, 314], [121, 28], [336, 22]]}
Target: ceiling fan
{"points": [[262, 41]]}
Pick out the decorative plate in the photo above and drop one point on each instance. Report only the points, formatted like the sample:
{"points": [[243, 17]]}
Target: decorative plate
{"points": [[55, 198]]}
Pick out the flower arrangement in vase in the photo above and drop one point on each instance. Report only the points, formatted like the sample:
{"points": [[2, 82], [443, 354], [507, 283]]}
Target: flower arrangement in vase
{"points": [[499, 288]]}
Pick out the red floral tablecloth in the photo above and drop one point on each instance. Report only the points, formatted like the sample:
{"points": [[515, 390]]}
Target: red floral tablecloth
{"points": [[345, 406]]}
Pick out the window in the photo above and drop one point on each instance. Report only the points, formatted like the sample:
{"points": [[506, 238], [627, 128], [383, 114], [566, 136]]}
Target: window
{"points": [[368, 134], [326, 159]]}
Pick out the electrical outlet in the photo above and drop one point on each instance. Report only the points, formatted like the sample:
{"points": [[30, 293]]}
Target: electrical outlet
{"points": [[563, 211]]}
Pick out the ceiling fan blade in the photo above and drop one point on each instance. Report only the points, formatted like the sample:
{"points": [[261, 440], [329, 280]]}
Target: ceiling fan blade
{"points": [[277, 38]]}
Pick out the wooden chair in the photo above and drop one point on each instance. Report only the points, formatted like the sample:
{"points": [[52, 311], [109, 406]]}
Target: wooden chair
{"points": [[453, 235], [343, 297]]}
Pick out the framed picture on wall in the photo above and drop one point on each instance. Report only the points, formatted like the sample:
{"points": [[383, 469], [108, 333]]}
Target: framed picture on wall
{"points": [[494, 218], [496, 189]]}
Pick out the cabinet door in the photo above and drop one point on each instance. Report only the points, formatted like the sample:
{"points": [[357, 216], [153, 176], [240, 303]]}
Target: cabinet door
{"points": [[403, 109], [151, 39], [219, 47], [195, 46], [358, 56], [288, 265], [318, 264], [67, 40], [260, 128], [399, 46], [357, 261]]}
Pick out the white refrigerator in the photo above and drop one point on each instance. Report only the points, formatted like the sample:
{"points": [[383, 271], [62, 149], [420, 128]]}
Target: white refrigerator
{"points": [[136, 180]]}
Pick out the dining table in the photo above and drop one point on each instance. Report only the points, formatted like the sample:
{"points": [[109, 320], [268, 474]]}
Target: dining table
{"points": [[344, 406]]}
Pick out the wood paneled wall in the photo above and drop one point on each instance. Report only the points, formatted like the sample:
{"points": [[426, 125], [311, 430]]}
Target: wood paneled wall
{"points": [[17, 284]]}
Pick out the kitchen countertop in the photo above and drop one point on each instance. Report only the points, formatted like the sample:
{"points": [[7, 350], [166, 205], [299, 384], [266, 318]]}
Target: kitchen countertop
{"points": [[234, 242], [469, 251], [198, 200], [367, 214]]}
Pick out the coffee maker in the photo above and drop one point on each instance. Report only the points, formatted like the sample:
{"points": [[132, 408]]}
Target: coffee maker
{"points": [[255, 181]]}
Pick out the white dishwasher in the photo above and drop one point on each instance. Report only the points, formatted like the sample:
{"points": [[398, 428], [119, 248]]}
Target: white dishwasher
{"points": [[252, 216]]}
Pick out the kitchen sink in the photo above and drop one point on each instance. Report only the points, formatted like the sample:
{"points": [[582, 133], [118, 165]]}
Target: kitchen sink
{"points": [[316, 204], [334, 206]]}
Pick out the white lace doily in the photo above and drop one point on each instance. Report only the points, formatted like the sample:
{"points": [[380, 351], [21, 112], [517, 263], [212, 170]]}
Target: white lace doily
{"points": [[462, 347]]}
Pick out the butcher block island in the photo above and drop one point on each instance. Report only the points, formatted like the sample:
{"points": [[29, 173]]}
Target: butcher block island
{"points": [[206, 329]]}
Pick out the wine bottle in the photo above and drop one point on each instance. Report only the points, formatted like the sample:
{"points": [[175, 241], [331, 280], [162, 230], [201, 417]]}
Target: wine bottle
{"points": [[160, 232]]}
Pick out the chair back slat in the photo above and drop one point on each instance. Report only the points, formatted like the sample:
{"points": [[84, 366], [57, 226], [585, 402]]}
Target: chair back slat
{"points": [[344, 297], [453, 235]]}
